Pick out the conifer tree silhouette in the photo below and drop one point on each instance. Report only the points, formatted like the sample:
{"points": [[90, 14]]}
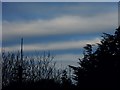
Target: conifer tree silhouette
{"points": [[100, 68]]}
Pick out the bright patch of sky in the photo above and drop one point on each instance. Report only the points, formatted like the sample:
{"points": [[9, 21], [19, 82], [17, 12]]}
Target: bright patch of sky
{"points": [[62, 28]]}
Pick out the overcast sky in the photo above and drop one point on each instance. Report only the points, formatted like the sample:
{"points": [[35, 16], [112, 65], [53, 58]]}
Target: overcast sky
{"points": [[62, 28], [60, 0]]}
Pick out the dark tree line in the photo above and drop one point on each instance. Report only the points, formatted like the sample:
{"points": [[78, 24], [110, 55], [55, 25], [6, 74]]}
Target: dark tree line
{"points": [[98, 69], [32, 72]]}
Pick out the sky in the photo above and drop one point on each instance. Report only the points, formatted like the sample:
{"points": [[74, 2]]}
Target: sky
{"points": [[61, 28], [0, 24], [60, 0]]}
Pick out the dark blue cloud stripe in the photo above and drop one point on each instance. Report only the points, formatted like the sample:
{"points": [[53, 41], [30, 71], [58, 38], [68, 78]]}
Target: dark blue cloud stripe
{"points": [[33, 11]]}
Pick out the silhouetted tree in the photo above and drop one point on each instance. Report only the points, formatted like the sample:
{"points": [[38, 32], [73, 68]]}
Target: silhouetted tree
{"points": [[34, 72], [100, 68], [66, 81]]}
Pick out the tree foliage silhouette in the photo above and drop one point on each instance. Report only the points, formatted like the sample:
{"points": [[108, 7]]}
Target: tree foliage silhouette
{"points": [[100, 68], [66, 81], [36, 72]]}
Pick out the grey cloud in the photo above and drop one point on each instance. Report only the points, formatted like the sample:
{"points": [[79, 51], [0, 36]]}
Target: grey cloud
{"points": [[54, 46], [61, 25]]}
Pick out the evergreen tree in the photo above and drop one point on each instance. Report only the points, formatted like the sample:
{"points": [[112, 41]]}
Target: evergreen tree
{"points": [[100, 69]]}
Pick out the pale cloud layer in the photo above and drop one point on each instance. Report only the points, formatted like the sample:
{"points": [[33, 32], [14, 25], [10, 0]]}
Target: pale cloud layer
{"points": [[67, 59], [54, 46], [61, 25]]}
